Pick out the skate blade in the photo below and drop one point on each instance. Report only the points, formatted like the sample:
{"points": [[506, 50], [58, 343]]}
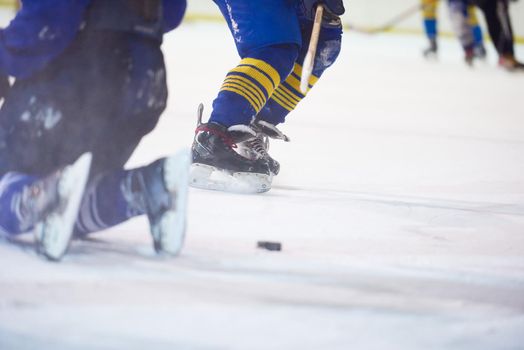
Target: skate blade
{"points": [[210, 178], [172, 226], [53, 235], [430, 56]]}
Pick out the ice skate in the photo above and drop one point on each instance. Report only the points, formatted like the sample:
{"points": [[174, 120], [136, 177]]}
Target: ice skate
{"points": [[259, 146], [162, 188], [469, 57], [54, 202], [511, 64], [217, 165], [480, 52], [432, 51]]}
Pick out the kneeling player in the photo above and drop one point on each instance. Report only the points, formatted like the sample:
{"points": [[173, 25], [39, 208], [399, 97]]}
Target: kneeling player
{"points": [[90, 83], [272, 37]]}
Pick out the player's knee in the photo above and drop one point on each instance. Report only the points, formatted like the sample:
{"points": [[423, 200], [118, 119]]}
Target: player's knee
{"points": [[146, 99], [281, 57], [328, 50]]}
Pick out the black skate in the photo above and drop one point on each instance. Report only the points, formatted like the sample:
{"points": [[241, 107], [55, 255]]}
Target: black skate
{"points": [[53, 204], [161, 188], [259, 146], [432, 51], [218, 166], [479, 51]]}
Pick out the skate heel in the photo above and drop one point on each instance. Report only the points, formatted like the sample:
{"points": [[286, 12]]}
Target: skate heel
{"points": [[170, 230]]}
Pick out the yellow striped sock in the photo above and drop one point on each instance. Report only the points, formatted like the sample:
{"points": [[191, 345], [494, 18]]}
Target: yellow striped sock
{"points": [[288, 94], [254, 80]]}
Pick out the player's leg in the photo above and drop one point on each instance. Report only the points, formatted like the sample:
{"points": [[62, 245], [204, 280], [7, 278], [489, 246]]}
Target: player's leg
{"points": [[138, 90], [138, 98], [458, 10], [429, 13], [288, 94], [500, 30], [43, 181], [478, 35], [267, 35], [158, 190]]}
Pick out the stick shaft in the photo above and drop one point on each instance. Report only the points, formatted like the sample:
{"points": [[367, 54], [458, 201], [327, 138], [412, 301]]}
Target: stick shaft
{"points": [[309, 60]]}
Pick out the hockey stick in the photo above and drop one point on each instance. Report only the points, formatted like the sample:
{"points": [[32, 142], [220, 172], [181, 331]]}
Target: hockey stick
{"points": [[309, 60], [389, 24]]}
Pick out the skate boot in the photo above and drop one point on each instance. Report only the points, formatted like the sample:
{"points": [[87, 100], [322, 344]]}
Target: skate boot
{"points": [[511, 64], [161, 189], [479, 52], [218, 166], [432, 51], [53, 203], [259, 146]]}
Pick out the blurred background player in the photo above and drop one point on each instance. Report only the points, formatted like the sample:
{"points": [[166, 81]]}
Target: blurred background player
{"points": [[429, 10], [90, 80], [500, 29], [272, 37]]}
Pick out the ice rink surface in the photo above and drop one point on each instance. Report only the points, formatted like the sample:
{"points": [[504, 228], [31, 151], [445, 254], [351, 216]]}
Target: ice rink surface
{"points": [[400, 207]]}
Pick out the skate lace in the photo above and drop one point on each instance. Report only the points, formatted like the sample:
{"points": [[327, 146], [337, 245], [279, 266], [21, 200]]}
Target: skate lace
{"points": [[228, 140], [259, 145]]}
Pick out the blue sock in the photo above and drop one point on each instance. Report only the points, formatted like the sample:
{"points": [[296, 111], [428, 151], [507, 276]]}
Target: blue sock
{"points": [[430, 26], [288, 94], [108, 201], [477, 35], [247, 87]]}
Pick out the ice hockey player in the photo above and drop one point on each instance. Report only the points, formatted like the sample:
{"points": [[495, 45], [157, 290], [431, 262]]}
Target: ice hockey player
{"points": [[500, 29], [271, 36], [90, 82], [429, 11]]}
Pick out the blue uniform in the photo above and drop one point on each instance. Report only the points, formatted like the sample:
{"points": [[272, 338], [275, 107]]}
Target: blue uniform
{"points": [[272, 37], [42, 29], [90, 78]]}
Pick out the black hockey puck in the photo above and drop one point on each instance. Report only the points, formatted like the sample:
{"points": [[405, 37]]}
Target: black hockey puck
{"points": [[273, 246]]}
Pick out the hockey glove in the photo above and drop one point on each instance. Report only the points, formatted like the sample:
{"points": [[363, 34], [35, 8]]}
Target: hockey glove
{"points": [[332, 7]]}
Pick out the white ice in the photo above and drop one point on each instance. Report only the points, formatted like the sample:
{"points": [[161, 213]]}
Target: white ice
{"points": [[400, 207]]}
